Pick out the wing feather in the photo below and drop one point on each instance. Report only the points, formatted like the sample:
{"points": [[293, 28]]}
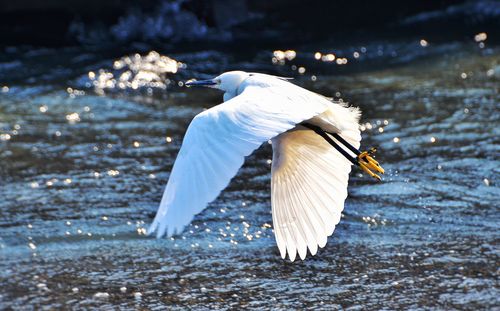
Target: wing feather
{"points": [[216, 144], [309, 185]]}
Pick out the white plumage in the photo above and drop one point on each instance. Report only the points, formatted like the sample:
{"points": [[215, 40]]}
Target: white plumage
{"points": [[309, 177]]}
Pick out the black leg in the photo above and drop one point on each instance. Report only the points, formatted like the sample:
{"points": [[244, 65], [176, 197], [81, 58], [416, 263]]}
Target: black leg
{"points": [[324, 134], [363, 159], [345, 143]]}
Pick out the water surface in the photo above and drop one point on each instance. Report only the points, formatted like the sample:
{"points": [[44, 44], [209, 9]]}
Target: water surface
{"points": [[82, 170]]}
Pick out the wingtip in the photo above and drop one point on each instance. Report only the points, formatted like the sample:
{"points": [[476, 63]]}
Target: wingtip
{"points": [[313, 249], [283, 254], [152, 228], [160, 230], [159, 234], [302, 252], [292, 256]]}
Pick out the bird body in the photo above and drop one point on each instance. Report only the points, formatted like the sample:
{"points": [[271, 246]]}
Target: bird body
{"points": [[309, 177]]}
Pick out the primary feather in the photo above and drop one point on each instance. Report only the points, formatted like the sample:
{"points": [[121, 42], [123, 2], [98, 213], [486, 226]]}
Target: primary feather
{"points": [[309, 179]]}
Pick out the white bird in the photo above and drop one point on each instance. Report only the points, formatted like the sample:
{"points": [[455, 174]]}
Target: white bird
{"points": [[309, 176]]}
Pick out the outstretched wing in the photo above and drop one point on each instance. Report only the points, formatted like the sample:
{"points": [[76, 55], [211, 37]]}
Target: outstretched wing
{"points": [[309, 187], [217, 141]]}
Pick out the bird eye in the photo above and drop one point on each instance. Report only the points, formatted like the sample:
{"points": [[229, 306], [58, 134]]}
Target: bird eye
{"points": [[218, 81]]}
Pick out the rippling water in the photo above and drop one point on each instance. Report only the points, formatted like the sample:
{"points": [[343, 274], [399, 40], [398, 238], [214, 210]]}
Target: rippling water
{"points": [[82, 172]]}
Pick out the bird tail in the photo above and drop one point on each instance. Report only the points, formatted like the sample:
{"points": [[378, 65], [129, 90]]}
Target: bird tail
{"points": [[342, 119]]}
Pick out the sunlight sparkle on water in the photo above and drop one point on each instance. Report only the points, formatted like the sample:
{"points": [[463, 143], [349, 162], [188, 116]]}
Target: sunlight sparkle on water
{"points": [[284, 55], [113, 173], [138, 71], [280, 57], [328, 57], [482, 36], [101, 295], [5, 137], [341, 61], [73, 117]]}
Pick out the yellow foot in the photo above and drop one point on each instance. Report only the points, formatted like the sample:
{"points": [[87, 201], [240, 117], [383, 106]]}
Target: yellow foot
{"points": [[368, 163]]}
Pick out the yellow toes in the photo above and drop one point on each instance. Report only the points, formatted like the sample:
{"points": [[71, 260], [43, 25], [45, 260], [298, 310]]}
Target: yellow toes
{"points": [[367, 170], [368, 163]]}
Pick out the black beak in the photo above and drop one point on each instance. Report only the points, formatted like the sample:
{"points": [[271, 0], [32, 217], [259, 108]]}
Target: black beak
{"points": [[201, 83]]}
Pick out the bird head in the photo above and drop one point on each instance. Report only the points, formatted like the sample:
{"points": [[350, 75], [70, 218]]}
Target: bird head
{"points": [[227, 82]]}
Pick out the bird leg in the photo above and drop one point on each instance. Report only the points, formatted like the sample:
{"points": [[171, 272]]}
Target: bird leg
{"points": [[368, 163], [363, 159]]}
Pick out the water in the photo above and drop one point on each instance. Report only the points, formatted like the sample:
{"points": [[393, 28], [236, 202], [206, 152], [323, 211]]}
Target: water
{"points": [[82, 170]]}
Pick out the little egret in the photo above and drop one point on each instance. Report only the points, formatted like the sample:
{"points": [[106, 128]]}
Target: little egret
{"points": [[315, 141]]}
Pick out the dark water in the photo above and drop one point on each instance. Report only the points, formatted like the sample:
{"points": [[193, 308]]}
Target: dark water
{"points": [[82, 171]]}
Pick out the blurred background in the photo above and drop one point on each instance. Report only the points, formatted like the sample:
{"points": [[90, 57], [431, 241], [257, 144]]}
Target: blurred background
{"points": [[93, 109], [120, 22]]}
